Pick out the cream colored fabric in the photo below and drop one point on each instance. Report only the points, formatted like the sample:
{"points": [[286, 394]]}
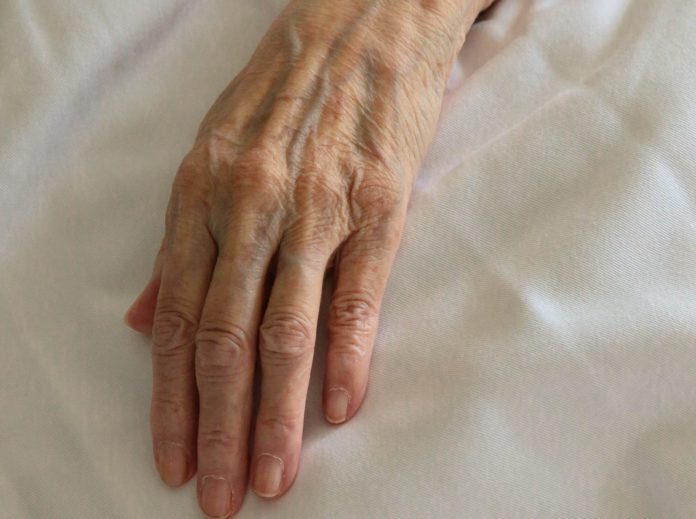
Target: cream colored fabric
{"points": [[537, 349]]}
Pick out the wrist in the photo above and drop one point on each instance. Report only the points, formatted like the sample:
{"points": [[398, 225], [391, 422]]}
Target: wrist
{"points": [[397, 33], [453, 19], [435, 29]]}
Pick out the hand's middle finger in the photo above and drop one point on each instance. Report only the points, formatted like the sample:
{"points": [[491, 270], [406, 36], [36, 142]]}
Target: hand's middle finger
{"points": [[225, 356], [286, 348]]}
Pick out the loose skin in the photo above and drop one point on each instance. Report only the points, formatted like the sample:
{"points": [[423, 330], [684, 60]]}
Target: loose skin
{"points": [[304, 163]]}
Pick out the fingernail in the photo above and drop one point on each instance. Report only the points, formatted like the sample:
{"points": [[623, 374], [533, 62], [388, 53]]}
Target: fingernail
{"points": [[172, 463], [337, 405], [268, 475], [216, 496]]}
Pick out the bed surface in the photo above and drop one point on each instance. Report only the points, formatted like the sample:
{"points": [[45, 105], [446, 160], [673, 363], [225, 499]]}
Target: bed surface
{"points": [[537, 347]]}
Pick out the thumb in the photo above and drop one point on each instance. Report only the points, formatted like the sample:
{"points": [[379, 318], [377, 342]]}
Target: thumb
{"points": [[141, 313]]}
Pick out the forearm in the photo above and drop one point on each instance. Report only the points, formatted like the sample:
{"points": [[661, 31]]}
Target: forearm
{"points": [[396, 31]]}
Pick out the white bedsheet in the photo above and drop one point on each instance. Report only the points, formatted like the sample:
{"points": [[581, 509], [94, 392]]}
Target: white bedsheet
{"points": [[537, 349]]}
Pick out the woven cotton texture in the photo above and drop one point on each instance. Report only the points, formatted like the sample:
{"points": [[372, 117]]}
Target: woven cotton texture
{"points": [[537, 347]]}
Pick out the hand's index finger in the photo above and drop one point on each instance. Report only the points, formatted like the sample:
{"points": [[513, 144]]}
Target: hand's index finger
{"points": [[225, 357]]}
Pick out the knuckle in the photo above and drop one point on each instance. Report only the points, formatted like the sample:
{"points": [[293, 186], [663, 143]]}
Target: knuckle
{"points": [[191, 189], [309, 242], [320, 218], [220, 145], [173, 331], [257, 181], [279, 425], [218, 438], [286, 336], [353, 313], [375, 246], [377, 199], [166, 408], [319, 193], [220, 349], [251, 253], [188, 176]]}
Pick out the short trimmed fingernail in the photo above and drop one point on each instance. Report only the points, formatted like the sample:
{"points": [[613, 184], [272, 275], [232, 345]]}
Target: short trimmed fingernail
{"points": [[216, 496], [337, 401], [268, 475], [172, 463]]}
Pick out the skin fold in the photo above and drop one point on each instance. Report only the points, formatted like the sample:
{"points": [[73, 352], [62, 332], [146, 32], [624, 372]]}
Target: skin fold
{"points": [[305, 162]]}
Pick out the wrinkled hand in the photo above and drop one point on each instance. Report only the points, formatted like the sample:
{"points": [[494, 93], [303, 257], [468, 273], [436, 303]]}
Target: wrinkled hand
{"points": [[306, 160]]}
